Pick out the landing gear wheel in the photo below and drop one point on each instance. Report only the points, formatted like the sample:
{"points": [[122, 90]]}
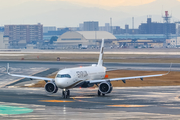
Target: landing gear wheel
{"points": [[99, 93], [103, 94], [64, 94], [68, 93]]}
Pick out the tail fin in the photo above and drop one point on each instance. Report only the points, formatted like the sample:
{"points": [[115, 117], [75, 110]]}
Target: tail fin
{"points": [[7, 68], [100, 62]]}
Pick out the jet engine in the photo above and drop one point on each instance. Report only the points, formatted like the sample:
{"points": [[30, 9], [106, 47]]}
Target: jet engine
{"points": [[50, 87], [105, 87]]}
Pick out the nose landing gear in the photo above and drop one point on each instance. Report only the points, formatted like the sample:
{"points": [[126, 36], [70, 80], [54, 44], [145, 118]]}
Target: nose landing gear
{"points": [[65, 93]]}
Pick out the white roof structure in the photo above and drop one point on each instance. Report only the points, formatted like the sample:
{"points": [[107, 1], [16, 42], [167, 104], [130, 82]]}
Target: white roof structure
{"points": [[83, 37], [96, 35]]}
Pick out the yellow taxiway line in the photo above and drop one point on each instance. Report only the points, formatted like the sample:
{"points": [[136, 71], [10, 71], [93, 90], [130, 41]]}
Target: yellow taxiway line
{"points": [[128, 106], [55, 101]]}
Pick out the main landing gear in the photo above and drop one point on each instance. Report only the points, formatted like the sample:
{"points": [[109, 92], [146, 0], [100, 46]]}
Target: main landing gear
{"points": [[99, 93], [65, 93]]}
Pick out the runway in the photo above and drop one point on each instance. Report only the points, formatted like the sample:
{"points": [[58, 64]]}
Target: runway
{"points": [[122, 103], [61, 65]]}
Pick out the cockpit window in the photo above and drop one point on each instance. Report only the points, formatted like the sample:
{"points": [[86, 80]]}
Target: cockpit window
{"points": [[63, 76]]}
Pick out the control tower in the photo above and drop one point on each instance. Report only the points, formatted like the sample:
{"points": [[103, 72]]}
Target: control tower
{"points": [[167, 19]]}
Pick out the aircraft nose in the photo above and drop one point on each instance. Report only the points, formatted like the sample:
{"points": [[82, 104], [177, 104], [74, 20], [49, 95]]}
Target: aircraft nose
{"points": [[61, 82]]}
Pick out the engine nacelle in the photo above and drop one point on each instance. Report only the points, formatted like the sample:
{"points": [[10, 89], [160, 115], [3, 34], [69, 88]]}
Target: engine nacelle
{"points": [[50, 87], [105, 87]]}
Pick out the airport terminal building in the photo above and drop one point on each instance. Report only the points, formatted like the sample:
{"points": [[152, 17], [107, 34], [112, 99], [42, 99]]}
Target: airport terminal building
{"points": [[74, 38]]}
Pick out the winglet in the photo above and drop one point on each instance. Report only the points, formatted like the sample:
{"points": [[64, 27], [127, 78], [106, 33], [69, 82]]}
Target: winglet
{"points": [[8, 68], [100, 62], [169, 69]]}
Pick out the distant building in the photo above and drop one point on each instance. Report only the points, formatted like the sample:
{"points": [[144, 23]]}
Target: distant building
{"points": [[148, 28], [107, 27], [118, 30], [74, 28], [1, 28], [81, 27], [156, 28], [178, 41], [91, 26], [173, 42], [27, 33], [4, 41], [142, 36], [178, 29], [49, 34], [49, 28], [127, 28]]}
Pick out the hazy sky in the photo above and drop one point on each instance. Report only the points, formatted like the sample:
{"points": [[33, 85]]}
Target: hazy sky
{"points": [[92, 3], [100, 3], [72, 12], [111, 3]]}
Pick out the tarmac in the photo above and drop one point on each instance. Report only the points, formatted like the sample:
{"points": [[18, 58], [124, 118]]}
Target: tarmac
{"points": [[122, 103], [17, 103]]}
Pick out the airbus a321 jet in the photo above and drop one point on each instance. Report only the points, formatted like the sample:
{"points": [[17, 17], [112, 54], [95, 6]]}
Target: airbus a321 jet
{"points": [[83, 77]]}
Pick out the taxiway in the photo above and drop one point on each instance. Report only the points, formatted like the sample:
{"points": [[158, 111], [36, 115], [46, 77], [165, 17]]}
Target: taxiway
{"points": [[122, 103]]}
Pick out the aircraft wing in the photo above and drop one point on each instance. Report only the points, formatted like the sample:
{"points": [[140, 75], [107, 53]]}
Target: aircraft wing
{"points": [[125, 78], [30, 77], [108, 70], [128, 78]]}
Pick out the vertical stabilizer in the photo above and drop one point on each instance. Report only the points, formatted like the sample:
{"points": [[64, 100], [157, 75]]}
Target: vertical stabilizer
{"points": [[100, 62], [7, 68]]}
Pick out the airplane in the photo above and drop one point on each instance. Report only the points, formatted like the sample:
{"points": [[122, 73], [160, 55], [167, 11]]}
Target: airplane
{"points": [[83, 77]]}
